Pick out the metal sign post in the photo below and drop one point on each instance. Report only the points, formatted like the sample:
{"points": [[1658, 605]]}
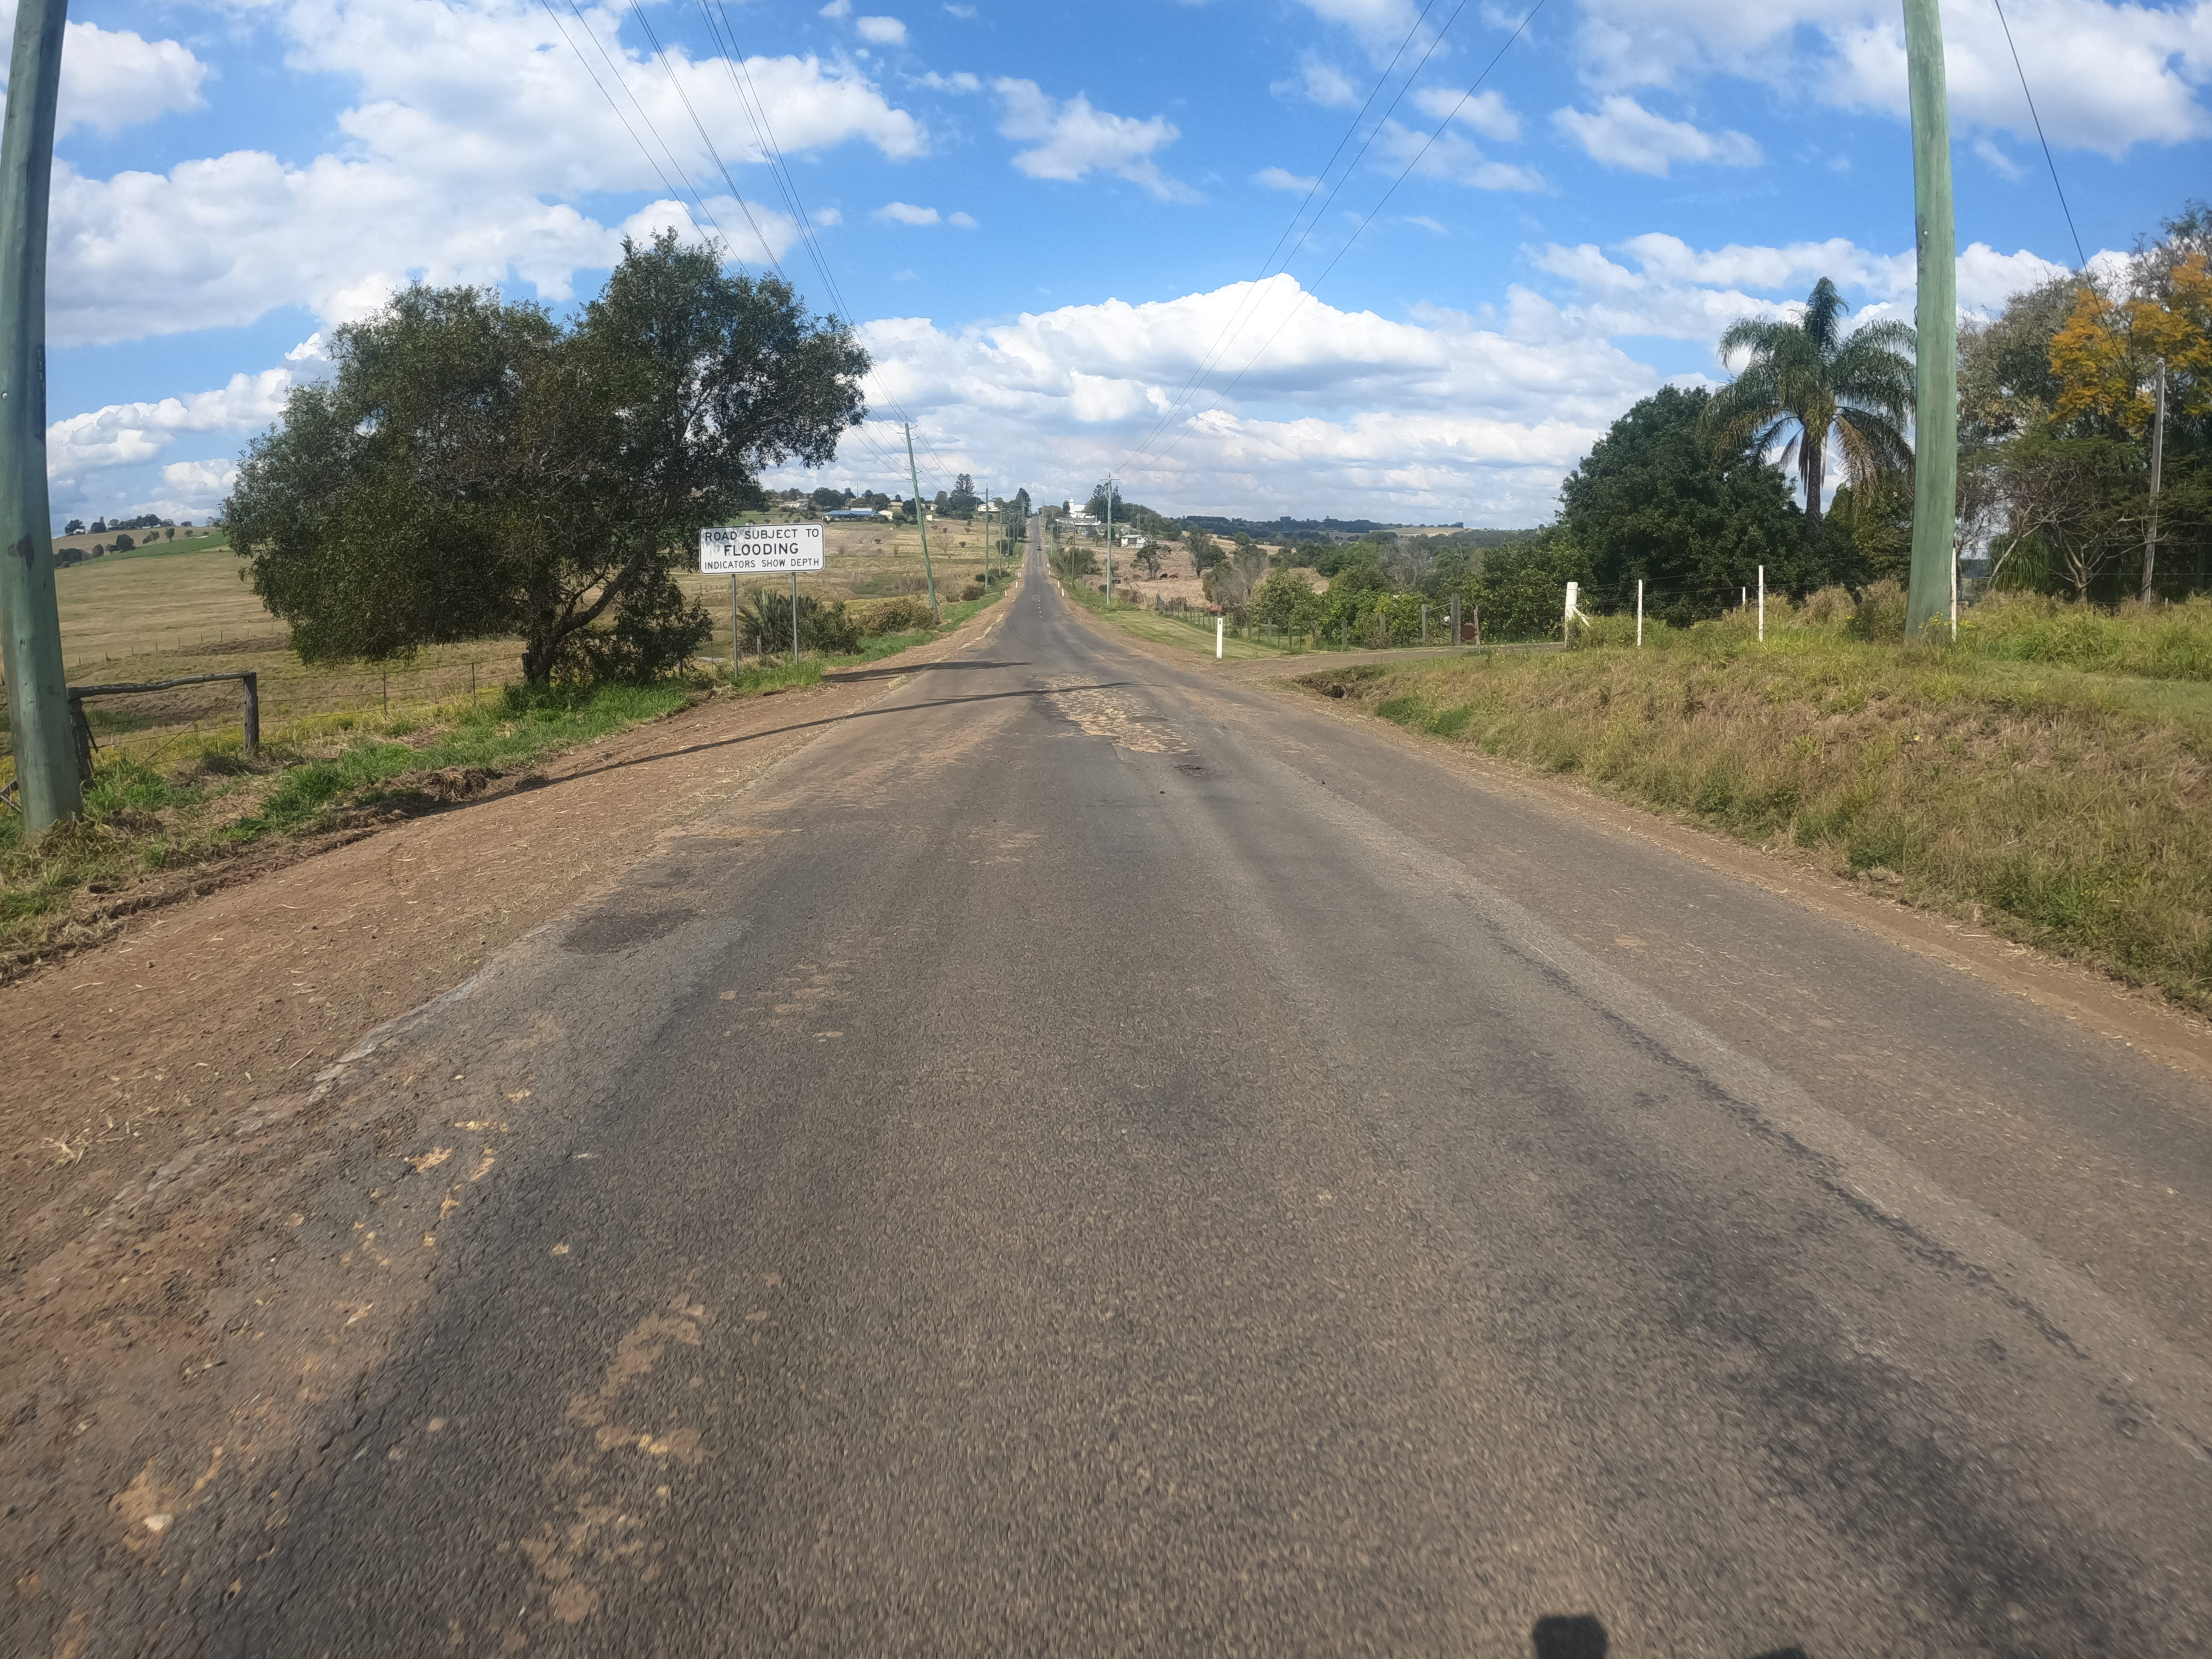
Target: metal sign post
{"points": [[762, 550]]}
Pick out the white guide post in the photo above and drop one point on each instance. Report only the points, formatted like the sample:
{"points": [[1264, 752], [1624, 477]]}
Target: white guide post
{"points": [[1567, 624], [1762, 604], [1218, 622], [1640, 613]]}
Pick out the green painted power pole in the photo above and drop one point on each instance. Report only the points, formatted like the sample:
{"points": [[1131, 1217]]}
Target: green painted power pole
{"points": [[1935, 401], [30, 625], [921, 522]]}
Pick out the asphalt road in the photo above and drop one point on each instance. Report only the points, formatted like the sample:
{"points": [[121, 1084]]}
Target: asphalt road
{"points": [[1090, 1157]]}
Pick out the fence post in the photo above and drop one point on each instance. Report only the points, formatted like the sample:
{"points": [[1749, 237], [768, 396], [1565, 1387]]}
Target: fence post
{"points": [[1640, 613], [81, 740], [1762, 605], [253, 711]]}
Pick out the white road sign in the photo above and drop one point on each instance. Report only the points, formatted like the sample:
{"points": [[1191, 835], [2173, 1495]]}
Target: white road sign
{"points": [[750, 548]]}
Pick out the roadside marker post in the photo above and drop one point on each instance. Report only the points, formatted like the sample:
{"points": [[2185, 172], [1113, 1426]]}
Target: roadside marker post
{"points": [[1640, 613], [1218, 621], [1762, 605], [762, 550]]}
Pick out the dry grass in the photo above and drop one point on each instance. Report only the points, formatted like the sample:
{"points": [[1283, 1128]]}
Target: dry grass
{"points": [[2059, 808], [163, 613]]}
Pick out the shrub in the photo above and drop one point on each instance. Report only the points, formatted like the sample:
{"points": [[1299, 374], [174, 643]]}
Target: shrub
{"points": [[973, 591], [1880, 618], [1600, 631], [1830, 607], [905, 614], [654, 631]]}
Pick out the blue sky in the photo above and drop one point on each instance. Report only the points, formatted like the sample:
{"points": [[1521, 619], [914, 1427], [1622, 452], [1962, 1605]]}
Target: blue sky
{"points": [[1048, 218]]}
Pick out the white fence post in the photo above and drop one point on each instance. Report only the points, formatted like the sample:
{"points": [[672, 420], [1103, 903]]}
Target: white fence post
{"points": [[1640, 613], [1762, 604]]}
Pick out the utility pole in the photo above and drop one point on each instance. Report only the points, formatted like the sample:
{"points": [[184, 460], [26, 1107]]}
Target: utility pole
{"points": [[922, 524], [1935, 389], [46, 785], [2157, 459], [1109, 541]]}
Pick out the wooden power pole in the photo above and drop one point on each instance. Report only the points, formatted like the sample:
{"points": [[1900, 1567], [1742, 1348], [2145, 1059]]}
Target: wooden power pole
{"points": [[922, 524], [30, 624], [1935, 399]]}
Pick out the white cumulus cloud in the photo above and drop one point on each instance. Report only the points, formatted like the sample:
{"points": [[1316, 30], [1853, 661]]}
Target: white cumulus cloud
{"points": [[882, 31], [1443, 417], [82, 448], [474, 130], [1487, 112], [1070, 139], [1622, 133], [2108, 74]]}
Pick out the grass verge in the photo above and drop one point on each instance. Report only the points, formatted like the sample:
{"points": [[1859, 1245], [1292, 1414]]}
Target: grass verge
{"points": [[2061, 809]]}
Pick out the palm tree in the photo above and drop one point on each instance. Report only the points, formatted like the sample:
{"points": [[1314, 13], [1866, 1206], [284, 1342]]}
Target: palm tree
{"points": [[1811, 382]]}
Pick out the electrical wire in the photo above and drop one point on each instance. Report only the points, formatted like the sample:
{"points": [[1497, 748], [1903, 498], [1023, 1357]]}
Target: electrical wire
{"points": [[1235, 325], [892, 464], [2045, 142], [594, 74], [756, 111], [1315, 288], [684, 98]]}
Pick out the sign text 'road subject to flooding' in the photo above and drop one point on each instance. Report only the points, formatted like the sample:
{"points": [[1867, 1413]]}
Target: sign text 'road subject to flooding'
{"points": [[752, 549]]}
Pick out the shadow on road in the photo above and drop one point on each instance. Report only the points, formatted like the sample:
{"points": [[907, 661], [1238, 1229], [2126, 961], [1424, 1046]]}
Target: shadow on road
{"points": [[804, 726], [891, 671], [1581, 1636]]}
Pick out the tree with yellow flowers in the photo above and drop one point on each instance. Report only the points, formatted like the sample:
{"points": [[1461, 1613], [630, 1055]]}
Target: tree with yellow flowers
{"points": [[2065, 457], [2104, 356]]}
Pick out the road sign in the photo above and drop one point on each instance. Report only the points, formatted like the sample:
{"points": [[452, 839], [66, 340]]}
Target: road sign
{"points": [[751, 548]]}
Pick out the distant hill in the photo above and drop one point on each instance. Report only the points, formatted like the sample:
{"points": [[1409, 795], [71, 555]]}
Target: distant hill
{"points": [[1336, 529]]}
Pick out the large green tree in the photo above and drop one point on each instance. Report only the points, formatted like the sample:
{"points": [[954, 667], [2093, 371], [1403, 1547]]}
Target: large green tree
{"points": [[1808, 383], [475, 469], [1653, 499]]}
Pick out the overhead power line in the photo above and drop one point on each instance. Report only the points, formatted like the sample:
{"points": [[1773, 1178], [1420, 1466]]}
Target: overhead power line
{"points": [[611, 104], [2034, 116], [754, 107], [1235, 325], [1405, 173]]}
